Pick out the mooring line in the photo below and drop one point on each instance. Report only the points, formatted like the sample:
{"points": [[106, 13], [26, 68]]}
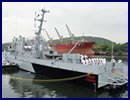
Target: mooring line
{"points": [[121, 74], [48, 80]]}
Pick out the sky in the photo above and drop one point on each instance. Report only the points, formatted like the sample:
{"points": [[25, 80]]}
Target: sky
{"points": [[101, 19]]}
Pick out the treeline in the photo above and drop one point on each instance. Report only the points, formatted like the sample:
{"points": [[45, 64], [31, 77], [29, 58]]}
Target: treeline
{"points": [[106, 49], [5, 46], [102, 47], [98, 40]]}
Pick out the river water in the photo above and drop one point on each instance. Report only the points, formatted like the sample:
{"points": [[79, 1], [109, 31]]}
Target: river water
{"points": [[12, 88]]}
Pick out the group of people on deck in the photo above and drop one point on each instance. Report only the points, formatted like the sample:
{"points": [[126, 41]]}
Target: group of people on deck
{"points": [[92, 61]]}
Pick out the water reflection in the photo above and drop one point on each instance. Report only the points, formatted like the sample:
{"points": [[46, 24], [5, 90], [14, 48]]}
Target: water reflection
{"points": [[12, 88]]}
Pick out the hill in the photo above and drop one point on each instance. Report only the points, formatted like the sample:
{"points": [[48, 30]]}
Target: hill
{"points": [[102, 46], [5, 46], [105, 49], [98, 40]]}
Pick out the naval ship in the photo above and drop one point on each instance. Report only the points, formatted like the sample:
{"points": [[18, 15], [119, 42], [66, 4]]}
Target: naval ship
{"points": [[37, 57]]}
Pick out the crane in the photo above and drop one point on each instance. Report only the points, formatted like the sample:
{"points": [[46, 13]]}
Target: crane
{"points": [[60, 37], [70, 33], [50, 38]]}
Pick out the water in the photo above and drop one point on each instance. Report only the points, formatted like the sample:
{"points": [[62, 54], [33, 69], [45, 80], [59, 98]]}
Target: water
{"points": [[12, 88]]}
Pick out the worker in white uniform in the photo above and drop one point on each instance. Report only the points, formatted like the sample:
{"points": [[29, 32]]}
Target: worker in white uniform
{"points": [[104, 61], [86, 56], [119, 61], [81, 56], [113, 62], [86, 61], [82, 61]]}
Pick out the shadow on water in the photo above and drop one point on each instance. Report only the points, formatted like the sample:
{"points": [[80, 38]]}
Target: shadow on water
{"points": [[12, 88]]}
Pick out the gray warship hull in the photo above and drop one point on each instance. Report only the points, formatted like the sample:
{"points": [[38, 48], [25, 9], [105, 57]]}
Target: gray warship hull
{"points": [[56, 73], [101, 76], [56, 70]]}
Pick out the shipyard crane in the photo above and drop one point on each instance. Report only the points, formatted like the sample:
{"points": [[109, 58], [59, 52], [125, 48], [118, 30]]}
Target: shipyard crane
{"points": [[70, 33], [50, 38], [60, 37]]}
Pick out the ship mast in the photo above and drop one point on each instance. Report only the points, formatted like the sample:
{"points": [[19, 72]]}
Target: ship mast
{"points": [[70, 33], [39, 42], [41, 21]]}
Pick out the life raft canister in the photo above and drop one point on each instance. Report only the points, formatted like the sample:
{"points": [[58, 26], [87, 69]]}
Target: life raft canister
{"points": [[90, 78]]}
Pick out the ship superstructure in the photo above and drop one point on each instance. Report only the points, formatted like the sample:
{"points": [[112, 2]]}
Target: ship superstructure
{"points": [[37, 57]]}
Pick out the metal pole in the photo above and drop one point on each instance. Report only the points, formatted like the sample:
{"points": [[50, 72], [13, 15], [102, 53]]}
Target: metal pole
{"points": [[112, 51]]}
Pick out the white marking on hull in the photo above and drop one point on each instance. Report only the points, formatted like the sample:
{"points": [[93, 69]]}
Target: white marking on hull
{"points": [[26, 66]]}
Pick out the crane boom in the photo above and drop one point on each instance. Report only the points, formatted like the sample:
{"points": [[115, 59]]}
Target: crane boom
{"points": [[48, 35], [60, 37], [50, 38], [70, 33]]}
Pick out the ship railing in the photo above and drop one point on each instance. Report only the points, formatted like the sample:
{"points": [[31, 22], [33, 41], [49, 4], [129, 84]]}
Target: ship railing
{"points": [[117, 81]]}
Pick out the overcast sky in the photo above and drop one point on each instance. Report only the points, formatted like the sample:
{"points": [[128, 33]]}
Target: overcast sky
{"points": [[102, 19]]}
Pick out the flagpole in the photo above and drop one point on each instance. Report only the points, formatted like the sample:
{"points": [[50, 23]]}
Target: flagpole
{"points": [[112, 50]]}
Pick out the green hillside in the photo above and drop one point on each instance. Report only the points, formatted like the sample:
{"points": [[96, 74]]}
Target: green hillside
{"points": [[98, 40], [105, 49], [102, 47], [5, 46]]}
